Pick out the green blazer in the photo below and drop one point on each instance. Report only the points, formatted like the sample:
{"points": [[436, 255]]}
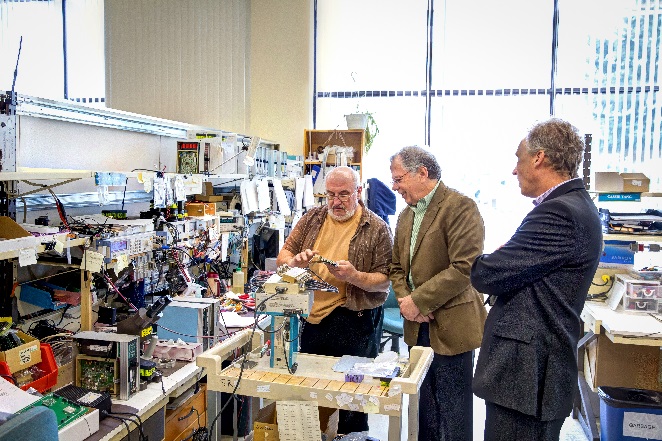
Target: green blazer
{"points": [[449, 240]]}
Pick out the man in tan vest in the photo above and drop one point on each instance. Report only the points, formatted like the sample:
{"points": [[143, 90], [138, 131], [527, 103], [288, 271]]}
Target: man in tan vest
{"points": [[437, 238], [345, 231]]}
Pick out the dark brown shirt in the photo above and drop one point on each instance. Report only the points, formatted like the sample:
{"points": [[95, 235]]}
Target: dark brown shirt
{"points": [[370, 251]]}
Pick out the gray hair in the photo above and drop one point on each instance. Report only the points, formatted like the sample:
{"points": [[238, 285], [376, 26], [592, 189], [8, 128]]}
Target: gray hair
{"points": [[346, 172], [561, 143], [414, 157]]}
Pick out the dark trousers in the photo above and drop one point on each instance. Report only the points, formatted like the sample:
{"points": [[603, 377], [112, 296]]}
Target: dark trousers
{"points": [[345, 332], [445, 399], [503, 424]]}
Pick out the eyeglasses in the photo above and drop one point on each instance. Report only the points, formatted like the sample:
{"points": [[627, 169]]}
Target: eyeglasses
{"points": [[399, 179], [342, 197]]}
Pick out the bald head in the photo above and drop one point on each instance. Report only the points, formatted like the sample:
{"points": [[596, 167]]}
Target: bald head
{"points": [[344, 173]]}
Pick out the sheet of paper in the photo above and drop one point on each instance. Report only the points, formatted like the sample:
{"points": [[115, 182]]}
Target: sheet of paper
{"points": [[122, 262], [308, 196], [231, 319], [68, 250], [298, 420], [298, 193], [616, 295], [263, 201], [283, 206], [180, 190], [27, 256], [92, 261], [225, 244], [13, 399]]}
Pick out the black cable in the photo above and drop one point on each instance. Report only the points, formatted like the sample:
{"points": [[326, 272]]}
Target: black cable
{"points": [[64, 311], [236, 386], [128, 429], [602, 284], [13, 83], [11, 377], [139, 426], [146, 169], [287, 362], [600, 295], [199, 434], [124, 194], [128, 413]]}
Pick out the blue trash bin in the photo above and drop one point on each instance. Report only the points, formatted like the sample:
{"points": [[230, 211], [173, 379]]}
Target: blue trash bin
{"points": [[629, 414]]}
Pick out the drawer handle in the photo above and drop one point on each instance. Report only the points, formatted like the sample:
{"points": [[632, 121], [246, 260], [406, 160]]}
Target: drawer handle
{"points": [[182, 418]]}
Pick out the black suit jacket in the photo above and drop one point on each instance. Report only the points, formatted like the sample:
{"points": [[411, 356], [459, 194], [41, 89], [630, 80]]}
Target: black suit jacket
{"points": [[528, 357]]}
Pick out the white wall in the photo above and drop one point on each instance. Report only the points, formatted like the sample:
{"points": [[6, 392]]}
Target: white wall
{"points": [[281, 80], [243, 66], [183, 60]]}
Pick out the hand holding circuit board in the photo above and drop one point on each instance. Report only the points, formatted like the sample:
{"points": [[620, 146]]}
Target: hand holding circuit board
{"points": [[326, 261]]}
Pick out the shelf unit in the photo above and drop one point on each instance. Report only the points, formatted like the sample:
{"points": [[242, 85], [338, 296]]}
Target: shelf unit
{"points": [[314, 142]]}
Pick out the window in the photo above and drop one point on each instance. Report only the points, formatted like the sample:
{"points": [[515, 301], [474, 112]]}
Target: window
{"points": [[61, 50], [469, 78]]}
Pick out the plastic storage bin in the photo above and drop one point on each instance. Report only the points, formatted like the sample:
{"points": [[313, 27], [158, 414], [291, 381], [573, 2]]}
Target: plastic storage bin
{"points": [[629, 414], [644, 290], [641, 304], [47, 365]]}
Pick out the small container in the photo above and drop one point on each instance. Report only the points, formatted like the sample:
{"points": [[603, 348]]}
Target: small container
{"points": [[640, 304], [644, 290], [214, 282], [238, 281]]}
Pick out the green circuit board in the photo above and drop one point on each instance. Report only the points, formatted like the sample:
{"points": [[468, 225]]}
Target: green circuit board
{"points": [[65, 410], [97, 374]]}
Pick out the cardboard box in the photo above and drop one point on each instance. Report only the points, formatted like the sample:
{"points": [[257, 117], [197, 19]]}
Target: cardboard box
{"points": [[22, 357], [613, 182], [208, 198], [618, 365], [207, 189], [85, 426], [65, 375], [210, 208], [13, 237], [195, 209], [265, 427]]}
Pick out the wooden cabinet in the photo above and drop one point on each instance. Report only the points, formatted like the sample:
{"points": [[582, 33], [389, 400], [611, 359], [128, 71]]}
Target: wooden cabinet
{"points": [[315, 140], [183, 421]]}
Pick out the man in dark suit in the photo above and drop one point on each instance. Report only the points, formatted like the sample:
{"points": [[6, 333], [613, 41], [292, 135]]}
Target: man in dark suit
{"points": [[437, 238], [527, 364]]}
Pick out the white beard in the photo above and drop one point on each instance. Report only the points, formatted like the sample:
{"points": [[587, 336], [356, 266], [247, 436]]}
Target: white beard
{"points": [[348, 215]]}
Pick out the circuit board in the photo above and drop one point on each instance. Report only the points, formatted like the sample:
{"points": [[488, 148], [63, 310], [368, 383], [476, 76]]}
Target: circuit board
{"points": [[65, 410], [98, 374]]}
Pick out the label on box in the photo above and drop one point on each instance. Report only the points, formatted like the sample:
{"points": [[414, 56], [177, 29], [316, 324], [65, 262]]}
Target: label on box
{"points": [[25, 355], [89, 398], [633, 197], [642, 425]]}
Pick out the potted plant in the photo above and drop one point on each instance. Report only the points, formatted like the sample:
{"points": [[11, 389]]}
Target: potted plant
{"points": [[363, 120]]}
